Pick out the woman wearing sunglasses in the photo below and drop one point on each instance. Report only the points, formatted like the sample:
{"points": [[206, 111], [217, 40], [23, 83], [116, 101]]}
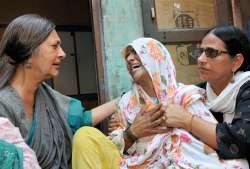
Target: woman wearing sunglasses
{"points": [[152, 70], [224, 66]]}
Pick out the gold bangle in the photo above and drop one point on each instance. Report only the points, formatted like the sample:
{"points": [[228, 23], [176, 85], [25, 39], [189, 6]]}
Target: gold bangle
{"points": [[190, 123]]}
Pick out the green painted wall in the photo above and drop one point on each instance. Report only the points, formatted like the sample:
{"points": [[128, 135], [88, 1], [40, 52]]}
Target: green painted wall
{"points": [[122, 23]]}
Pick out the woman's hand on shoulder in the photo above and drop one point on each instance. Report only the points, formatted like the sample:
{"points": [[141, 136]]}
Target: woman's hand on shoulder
{"points": [[177, 116], [149, 122]]}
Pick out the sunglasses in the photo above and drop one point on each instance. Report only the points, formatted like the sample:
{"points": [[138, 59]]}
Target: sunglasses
{"points": [[211, 52]]}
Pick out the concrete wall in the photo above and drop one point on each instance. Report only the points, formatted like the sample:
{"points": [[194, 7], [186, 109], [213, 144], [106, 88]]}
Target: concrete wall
{"points": [[122, 23]]}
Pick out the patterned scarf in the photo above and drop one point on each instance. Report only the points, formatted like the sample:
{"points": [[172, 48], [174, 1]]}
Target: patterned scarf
{"points": [[157, 61], [171, 149]]}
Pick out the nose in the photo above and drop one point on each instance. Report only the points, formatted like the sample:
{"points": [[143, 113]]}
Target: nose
{"points": [[130, 57], [202, 58], [61, 53]]}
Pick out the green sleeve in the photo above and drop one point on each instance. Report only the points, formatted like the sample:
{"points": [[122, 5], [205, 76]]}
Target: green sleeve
{"points": [[11, 156], [77, 115]]}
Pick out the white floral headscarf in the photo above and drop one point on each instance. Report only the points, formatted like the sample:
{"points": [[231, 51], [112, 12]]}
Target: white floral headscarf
{"points": [[158, 63], [171, 149]]}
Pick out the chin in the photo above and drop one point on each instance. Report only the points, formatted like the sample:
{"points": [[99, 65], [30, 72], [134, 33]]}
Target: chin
{"points": [[54, 74], [202, 77], [50, 76], [136, 80], [205, 78]]}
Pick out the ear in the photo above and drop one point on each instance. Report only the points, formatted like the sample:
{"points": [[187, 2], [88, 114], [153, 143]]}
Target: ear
{"points": [[237, 62], [28, 63]]}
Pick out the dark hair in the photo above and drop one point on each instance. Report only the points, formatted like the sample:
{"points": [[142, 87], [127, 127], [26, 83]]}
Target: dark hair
{"points": [[129, 49], [22, 36], [235, 42]]}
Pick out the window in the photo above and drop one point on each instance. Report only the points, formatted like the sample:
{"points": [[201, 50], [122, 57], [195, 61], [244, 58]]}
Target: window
{"points": [[180, 25]]}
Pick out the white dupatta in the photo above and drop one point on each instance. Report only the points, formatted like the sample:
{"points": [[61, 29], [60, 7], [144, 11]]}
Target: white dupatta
{"points": [[226, 100]]}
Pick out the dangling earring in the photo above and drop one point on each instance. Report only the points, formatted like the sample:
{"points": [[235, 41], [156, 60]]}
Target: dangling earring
{"points": [[232, 80]]}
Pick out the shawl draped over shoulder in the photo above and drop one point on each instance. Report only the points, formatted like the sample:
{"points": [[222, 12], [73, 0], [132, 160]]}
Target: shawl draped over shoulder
{"points": [[176, 148], [55, 118]]}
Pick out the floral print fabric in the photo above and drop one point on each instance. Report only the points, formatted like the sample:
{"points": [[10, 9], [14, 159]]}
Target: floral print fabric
{"points": [[177, 148], [11, 134]]}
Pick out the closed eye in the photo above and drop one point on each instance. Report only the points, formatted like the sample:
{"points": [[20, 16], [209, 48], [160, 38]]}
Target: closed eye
{"points": [[55, 46]]}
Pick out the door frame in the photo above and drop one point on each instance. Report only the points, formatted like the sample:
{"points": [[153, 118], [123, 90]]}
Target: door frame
{"points": [[97, 29]]}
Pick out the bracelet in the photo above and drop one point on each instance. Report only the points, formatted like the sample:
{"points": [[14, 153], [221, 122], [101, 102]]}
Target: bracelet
{"points": [[190, 123], [130, 135]]}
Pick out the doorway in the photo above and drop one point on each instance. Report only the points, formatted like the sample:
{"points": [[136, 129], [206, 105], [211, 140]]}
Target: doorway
{"points": [[78, 77]]}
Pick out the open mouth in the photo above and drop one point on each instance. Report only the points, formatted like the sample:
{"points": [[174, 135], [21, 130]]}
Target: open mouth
{"points": [[135, 67]]}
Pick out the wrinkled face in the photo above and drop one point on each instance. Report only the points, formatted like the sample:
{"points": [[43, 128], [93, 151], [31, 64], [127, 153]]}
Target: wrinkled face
{"points": [[219, 68], [136, 69], [47, 58]]}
